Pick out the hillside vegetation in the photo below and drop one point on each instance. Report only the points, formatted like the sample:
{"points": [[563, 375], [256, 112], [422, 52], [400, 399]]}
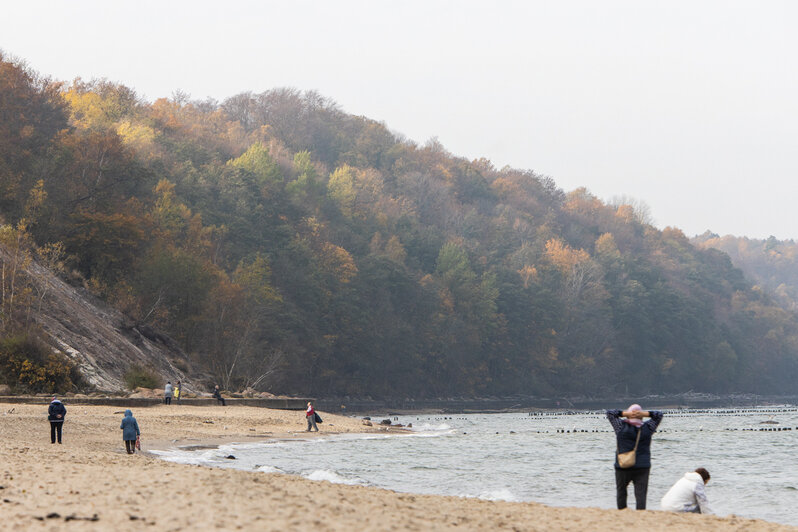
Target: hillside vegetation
{"points": [[289, 246], [772, 264]]}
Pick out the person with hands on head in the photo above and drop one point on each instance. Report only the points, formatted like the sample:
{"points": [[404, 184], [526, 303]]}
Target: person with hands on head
{"points": [[632, 433]]}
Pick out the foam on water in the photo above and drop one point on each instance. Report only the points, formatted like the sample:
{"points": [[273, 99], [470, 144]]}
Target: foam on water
{"points": [[179, 456], [332, 476], [426, 427], [269, 469], [502, 494], [482, 455]]}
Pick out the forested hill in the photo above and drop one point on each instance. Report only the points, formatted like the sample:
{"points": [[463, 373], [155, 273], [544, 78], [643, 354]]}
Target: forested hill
{"points": [[771, 263], [290, 246]]}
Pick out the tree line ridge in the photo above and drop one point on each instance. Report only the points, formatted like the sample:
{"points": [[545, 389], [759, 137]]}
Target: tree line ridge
{"points": [[288, 246]]}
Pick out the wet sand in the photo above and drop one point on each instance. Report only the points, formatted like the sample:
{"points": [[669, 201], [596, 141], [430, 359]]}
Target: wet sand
{"points": [[90, 483]]}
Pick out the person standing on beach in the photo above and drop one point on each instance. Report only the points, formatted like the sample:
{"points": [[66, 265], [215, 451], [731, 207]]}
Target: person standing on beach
{"points": [[178, 391], [55, 415], [167, 393], [632, 433], [130, 431], [217, 393], [310, 414], [688, 494]]}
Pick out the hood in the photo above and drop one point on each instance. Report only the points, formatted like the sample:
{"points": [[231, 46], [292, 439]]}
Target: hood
{"points": [[128, 413], [692, 476], [55, 401]]}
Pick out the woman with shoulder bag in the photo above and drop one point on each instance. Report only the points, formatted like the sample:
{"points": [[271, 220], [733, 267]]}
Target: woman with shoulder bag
{"points": [[633, 451]]}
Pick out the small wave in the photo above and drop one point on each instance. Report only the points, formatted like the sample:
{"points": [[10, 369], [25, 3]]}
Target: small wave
{"points": [[502, 494], [332, 476], [187, 457], [426, 427], [268, 469]]}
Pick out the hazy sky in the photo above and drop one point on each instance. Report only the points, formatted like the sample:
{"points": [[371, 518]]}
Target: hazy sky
{"points": [[691, 107]]}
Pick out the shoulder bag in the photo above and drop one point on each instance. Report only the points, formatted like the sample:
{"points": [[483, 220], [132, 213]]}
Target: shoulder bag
{"points": [[627, 460]]}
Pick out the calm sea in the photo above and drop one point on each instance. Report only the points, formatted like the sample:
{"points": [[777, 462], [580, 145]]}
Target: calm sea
{"points": [[560, 459]]}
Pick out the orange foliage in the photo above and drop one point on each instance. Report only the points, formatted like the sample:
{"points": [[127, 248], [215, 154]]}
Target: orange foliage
{"points": [[563, 256]]}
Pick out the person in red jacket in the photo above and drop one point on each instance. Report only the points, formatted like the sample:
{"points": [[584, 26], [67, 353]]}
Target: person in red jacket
{"points": [[310, 414]]}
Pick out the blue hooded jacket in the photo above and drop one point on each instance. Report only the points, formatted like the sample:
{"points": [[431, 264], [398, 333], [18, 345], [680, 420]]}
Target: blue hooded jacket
{"points": [[130, 428]]}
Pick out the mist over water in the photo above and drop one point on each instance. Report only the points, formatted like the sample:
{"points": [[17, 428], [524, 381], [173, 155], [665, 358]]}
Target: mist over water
{"points": [[556, 459]]}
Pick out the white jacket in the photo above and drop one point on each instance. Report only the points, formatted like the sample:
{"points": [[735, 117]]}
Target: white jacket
{"points": [[687, 495]]}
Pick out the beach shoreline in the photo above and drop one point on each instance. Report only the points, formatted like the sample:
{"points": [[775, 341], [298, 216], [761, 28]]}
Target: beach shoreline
{"points": [[90, 483]]}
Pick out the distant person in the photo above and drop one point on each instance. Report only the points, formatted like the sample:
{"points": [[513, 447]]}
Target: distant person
{"points": [[130, 431], [633, 433], [688, 494], [178, 391], [55, 415], [217, 393], [310, 414], [167, 393]]}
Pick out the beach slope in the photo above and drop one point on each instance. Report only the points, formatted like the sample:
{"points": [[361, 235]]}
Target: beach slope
{"points": [[89, 483]]}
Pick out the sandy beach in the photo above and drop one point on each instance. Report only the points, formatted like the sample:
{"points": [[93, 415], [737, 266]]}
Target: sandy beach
{"points": [[90, 483]]}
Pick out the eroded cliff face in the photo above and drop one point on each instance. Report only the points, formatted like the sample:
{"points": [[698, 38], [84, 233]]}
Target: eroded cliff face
{"points": [[98, 338]]}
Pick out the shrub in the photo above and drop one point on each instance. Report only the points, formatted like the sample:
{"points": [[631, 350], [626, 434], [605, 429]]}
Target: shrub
{"points": [[29, 365], [141, 377]]}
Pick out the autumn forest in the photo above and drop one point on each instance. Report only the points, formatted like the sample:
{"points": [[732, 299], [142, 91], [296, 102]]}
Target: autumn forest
{"points": [[291, 247]]}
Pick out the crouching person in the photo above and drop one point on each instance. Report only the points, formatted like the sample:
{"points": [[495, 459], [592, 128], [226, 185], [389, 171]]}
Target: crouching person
{"points": [[688, 494]]}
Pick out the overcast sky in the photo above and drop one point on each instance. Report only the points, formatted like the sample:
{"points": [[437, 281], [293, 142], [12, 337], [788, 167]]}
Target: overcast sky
{"points": [[691, 107]]}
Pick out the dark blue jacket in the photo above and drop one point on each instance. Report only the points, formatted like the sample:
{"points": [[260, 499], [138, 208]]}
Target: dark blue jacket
{"points": [[130, 428], [626, 435], [56, 407]]}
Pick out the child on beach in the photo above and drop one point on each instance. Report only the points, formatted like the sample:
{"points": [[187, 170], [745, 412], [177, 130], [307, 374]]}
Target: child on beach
{"points": [[632, 433], [130, 431], [55, 415], [688, 494]]}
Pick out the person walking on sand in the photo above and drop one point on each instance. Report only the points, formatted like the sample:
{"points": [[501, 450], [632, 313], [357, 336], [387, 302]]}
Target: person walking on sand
{"points": [[632, 433], [217, 393], [310, 414], [167, 393], [130, 431], [688, 494], [55, 415], [178, 391]]}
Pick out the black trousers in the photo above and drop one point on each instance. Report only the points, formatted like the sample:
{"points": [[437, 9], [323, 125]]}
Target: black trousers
{"points": [[639, 477], [167, 399], [130, 446], [55, 427]]}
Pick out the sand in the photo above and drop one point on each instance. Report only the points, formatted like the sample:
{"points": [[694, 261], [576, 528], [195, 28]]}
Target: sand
{"points": [[90, 483]]}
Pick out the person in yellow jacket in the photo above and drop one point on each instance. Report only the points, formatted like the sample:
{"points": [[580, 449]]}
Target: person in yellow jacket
{"points": [[178, 389]]}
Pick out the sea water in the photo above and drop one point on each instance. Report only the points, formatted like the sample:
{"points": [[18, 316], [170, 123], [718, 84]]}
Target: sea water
{"points": [[560, 459]]}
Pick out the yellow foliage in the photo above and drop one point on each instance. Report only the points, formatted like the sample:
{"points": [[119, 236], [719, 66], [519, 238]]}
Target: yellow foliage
{"points": [[528, 273], [138, 136], [606, 247], [341, 188], [563, 256], [580, 201], [86, 108], [338, 261]]}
